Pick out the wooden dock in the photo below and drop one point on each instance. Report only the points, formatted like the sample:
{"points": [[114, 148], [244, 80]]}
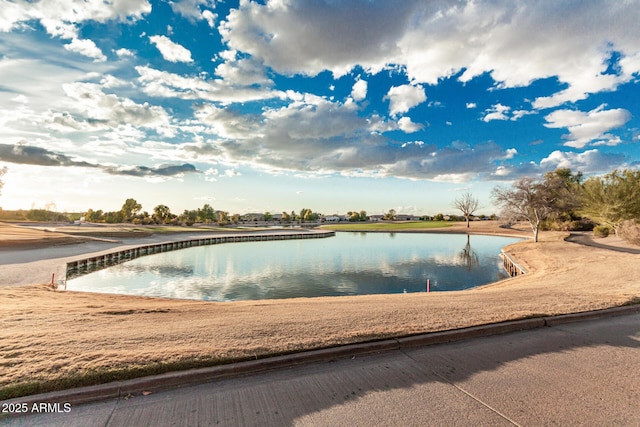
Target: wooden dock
{"points": [[98, 262], [513, 268]]}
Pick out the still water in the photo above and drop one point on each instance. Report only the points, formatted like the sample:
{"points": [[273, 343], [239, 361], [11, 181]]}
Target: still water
{"points": [[347, 264]]}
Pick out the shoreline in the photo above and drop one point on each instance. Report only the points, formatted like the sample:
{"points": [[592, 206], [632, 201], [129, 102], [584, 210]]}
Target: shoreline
{"points": [[55, 339]]}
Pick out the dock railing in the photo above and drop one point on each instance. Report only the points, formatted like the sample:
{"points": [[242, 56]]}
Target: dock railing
{"points": [[98, 262], [511, 266]]}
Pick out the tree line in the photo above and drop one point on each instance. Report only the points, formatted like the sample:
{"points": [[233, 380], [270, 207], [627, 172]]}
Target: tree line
{"points": [[131, 212], [563, 200]]}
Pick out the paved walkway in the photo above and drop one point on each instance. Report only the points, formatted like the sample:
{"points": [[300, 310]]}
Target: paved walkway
{"points": [[582, 373], [586, 238]]}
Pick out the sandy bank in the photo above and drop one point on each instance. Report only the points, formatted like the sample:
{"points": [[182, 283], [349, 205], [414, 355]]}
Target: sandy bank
{"points": [[48, 335]]}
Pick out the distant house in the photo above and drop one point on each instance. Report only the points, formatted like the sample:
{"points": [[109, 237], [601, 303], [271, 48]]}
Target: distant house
{"points": [[403, 217], [334, 218], [376, 218], [252, 217]]}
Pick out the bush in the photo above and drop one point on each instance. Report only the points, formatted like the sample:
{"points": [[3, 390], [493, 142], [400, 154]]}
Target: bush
{"points": [[630, 231], [601, 231]]}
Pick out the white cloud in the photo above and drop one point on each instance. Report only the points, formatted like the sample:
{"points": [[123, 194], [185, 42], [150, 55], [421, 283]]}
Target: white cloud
{"points": [[168, 85], [405, 97], [210, 17], [243, 72], [471, 105], [591, 161], [516, 41], [170, 51], [406, 125], [103, 110], [123, 53], [87, 48], [585, 128], [191, 9], [20, 99], [496, 112], [510, 153], [309, 37], [503, 112], [60, 18], [359, 90]]}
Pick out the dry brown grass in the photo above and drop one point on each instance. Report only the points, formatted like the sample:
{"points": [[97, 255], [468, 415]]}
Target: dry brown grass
{"points": [[54, 339]]}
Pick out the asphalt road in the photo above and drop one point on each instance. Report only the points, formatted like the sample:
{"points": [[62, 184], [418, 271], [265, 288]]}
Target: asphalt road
{"points": [[583, 373]]}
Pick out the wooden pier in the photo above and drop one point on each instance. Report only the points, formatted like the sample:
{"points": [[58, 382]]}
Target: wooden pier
{"points": [[513, 268], [98, 262]]}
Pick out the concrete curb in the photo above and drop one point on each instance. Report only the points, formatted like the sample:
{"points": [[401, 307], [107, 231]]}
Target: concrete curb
{"points": [[170, 380]]}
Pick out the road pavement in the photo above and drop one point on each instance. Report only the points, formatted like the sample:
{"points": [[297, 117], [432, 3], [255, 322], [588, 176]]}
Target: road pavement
{"points": [[578, 373]]}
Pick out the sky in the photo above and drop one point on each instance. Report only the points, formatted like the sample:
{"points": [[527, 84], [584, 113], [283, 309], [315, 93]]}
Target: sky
{"points": [[335, 106]]}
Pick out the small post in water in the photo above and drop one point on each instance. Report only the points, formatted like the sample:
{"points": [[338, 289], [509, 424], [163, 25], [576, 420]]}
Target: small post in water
{"points": [[428, 285]]}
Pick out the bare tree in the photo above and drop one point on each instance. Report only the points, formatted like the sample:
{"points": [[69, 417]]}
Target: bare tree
{"points": [[527, 199], [467, 204]]}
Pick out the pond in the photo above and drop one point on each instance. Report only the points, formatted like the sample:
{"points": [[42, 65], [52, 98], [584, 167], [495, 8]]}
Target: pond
{"points": [[347, 264]]}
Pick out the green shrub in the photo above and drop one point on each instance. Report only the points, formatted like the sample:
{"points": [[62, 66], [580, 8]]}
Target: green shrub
{"points": [[601, 231]]}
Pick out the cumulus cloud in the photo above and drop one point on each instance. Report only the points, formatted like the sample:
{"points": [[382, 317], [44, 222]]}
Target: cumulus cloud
{"points": [[496, 112], [242, 72], [405, 97], [503, 112], [359, 90], [310, 37], [406, 125], [158, 171], [107, 110], [587, 128], [194, 10], [590, 161], [316, 135], [30, 155], [170, 51], [61, 18], [33, 155], [517, 42], [87, 48], [163, 84]]}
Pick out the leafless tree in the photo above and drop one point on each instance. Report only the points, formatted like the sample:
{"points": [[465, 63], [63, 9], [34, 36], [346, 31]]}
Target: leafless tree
{"points": [[467, 204], [527, 199]]}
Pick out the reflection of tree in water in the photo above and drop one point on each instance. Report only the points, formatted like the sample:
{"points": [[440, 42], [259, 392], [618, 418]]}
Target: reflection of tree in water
{"points": [[468, 257]]}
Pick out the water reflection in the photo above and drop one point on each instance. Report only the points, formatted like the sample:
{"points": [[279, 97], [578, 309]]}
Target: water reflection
{"points": [[348, 264], [468, 256]]}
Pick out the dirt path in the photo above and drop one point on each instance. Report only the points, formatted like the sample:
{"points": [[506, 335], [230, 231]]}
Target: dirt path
{"points": [[50, 336]]}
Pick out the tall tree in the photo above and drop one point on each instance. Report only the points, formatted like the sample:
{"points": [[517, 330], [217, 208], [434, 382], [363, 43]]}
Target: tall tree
{"points": [[613, 198], [528, 199], [161, 214], [130, 209], [208, 214], [467, 204], [223, 218], [563, 187], [391, 215]]}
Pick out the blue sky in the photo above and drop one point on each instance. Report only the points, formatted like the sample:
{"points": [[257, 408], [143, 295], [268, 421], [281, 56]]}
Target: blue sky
{"points": [[329, 105]]}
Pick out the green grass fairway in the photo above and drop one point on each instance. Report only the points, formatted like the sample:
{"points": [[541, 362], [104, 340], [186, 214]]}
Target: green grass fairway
{"points": [[388, 226]]}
